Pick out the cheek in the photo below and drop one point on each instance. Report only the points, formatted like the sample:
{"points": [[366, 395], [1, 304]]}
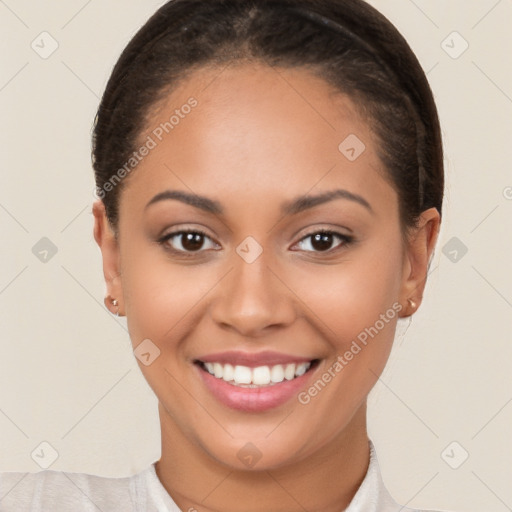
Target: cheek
{"points": [[347, 298], [356, 308], [162, 298], [164, 303]]}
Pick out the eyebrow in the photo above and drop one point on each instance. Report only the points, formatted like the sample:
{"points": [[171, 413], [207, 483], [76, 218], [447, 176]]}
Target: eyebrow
{"points": [[292, 207]]}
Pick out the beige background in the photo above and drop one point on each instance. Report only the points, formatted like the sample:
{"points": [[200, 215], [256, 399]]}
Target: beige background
{"points": [[67, 373]]}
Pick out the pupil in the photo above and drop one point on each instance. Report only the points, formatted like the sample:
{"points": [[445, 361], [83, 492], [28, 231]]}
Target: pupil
{"points": [[322, 241], [193, 241]]}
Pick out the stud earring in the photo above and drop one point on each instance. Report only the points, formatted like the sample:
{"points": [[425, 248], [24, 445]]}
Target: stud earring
{"points": [[114, 303], [412, 303]]}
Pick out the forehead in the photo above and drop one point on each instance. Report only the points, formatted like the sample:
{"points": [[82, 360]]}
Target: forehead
{"points": [[271, 132]]}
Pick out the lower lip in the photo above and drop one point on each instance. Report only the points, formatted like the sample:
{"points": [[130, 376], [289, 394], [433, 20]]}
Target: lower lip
{"points": [[254, 399]]}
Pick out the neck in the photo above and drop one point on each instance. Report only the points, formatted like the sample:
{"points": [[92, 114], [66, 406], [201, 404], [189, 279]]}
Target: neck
{"points": [[325, 482]]}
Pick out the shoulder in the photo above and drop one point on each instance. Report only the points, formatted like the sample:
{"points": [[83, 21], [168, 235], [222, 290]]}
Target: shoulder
{"points": [[372, 495], [405, 509], [66, 491]]}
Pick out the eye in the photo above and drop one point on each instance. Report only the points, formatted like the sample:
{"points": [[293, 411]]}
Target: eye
{"points": [[321, 240], [186, 241], [191, 241]]}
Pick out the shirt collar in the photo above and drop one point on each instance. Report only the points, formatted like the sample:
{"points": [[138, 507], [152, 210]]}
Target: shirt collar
{"points": [[372, 495]]}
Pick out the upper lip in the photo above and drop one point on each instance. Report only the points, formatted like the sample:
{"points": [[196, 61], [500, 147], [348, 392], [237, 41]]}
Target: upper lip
{"points": [[253, 359]]}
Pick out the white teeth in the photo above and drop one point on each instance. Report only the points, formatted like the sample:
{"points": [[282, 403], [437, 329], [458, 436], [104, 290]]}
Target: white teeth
{"points": [[289, 372], [277, 373], [259, 376], [301, 369], [228, 372], [242, 375], [218, 370]]}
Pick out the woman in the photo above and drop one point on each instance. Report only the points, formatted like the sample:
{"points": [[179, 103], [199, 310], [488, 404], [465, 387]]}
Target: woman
{"points": [[270, 183]]}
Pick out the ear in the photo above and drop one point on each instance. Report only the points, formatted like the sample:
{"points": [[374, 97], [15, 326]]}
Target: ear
{"points": [[109, 245], [418, 252]]}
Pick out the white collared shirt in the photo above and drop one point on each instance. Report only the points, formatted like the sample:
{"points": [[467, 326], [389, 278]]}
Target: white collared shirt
{"points": [[372, 495], [57, 491]]}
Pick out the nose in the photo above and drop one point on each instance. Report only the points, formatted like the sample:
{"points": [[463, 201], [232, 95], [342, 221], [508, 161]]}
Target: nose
{"points": [[252, 299]]}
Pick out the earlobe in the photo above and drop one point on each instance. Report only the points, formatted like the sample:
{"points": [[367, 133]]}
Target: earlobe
{"points": [[412, 304], [109, 246], [418, 254], [111, 303]]}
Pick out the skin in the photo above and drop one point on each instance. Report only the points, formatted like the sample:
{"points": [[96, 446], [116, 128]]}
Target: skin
{"points": [[261, 136]]}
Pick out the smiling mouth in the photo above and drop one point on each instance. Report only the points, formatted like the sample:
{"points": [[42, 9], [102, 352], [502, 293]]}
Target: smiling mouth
{"points": [[256, 377]]}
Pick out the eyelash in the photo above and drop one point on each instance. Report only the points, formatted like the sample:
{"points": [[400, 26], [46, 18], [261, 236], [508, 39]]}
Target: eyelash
{"points": [[346, 240]]}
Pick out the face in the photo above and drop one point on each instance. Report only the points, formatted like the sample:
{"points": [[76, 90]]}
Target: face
{"points": [[267, 283]]}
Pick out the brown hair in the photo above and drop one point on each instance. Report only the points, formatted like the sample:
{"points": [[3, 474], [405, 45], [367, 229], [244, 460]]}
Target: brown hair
{"points": [[347, 43]]}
